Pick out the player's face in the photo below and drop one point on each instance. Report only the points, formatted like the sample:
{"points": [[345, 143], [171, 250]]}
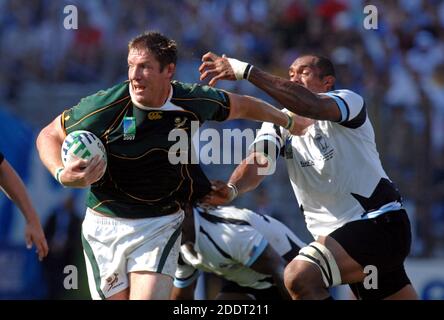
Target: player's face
{"points": [[304, 72], [149, 83]]}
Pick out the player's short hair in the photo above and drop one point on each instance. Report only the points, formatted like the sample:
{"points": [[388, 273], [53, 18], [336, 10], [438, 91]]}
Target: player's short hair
{"points": [[324, 65], [163, 48]]}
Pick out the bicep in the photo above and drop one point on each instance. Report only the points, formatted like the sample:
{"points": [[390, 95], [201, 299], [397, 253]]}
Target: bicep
{"points": [[328, 109]]}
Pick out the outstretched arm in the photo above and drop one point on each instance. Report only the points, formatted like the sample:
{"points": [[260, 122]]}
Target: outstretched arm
{"points": [[293, 96], [246, 177], [246, 107], [15, 189]]}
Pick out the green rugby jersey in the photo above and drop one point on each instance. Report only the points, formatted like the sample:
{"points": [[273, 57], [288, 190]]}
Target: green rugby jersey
{"points": [[140, 181]]}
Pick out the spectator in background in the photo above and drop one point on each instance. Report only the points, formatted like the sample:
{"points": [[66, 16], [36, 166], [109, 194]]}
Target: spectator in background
{"points": [[62, 229]]}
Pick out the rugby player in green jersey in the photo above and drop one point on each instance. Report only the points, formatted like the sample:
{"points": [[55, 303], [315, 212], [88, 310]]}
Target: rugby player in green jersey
{"points": [[131, 231]]}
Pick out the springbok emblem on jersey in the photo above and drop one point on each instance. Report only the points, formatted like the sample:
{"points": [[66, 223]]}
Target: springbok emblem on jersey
{"points": [[179, 123]]}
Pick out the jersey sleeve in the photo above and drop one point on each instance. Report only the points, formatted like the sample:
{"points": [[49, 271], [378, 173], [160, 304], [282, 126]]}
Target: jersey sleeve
{"points": [[96, 112], [206, 102], [185, 274], [352, 107], [269, 141]]}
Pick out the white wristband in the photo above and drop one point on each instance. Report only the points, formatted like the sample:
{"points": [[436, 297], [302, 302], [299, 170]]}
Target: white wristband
{"points": [[241, 69], [57, 174], [235, 191]]}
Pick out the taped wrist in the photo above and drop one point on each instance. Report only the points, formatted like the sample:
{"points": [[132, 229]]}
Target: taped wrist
{"points": [[57, 173], [290, 123], [241, 69], [234, 191]]}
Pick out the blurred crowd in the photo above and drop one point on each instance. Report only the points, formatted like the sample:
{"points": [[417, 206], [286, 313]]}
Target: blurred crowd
{"points": [[398, 68]]}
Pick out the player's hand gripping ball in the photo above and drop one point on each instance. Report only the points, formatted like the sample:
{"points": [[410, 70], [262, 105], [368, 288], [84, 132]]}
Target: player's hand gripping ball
{"points": [[82, 144]]}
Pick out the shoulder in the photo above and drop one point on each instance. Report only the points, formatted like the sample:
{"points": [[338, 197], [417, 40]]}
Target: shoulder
{"points": [[108, 96], [196, 91], [348, 95], [352, 107], [93, 113], [207, 102]]}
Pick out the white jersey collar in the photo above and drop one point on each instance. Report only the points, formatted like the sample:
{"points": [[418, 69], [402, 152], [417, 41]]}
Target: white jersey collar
{"points": [[141, 106]]}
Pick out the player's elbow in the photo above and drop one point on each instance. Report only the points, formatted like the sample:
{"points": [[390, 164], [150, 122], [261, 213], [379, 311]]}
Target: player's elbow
{"points": [[238, 109], [52, 132], [42, 138]]}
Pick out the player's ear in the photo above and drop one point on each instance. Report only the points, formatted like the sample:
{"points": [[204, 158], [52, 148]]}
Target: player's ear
{"points": [[171, 69], [328, 82]]}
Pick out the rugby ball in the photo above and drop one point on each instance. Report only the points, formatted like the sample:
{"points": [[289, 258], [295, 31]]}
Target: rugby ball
{"points": [[82, 144]]}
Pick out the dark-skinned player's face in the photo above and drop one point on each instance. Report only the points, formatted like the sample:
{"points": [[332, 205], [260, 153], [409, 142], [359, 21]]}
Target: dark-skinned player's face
{"points": [[303, 71]]}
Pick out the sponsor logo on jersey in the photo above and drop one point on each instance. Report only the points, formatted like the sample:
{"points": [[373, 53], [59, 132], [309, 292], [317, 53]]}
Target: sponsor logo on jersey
{"points": [[155, 115]]}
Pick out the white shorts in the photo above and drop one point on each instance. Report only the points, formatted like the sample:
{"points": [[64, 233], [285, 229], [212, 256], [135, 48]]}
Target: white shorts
{"points": [[113, 247]]}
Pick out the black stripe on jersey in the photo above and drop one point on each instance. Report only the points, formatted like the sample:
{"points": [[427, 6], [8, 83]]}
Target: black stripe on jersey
{"points": [[215, 219], [293, 252], [266, 145], [278, 132], [222, 252], [1, 158], [358, 120], [385, 192], [180, 261]]}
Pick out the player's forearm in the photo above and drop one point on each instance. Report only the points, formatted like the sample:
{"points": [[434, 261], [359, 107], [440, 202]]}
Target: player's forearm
{"points": [[259, 110], [246, 107], [291, 95], [247, 175], [14, 188]]}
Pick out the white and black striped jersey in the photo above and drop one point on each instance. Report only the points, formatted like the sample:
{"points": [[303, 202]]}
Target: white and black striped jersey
{"points": [[228, 241], [334, 167]]}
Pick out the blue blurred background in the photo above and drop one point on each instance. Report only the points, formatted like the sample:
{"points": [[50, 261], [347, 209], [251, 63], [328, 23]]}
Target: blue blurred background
{"points": [[398, 68]]}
